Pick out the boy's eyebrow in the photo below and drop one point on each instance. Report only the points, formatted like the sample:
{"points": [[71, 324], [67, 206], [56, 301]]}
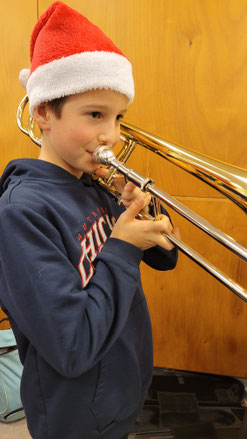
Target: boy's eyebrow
{"points": [[100, 107]]}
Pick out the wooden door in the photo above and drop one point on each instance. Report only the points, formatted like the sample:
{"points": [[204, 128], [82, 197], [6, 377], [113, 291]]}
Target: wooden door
{"points": [[190, 68]]}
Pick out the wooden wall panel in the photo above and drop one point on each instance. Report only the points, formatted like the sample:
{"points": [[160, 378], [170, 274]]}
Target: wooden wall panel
{"points": [[17, 19], [4, 321], [190, 68]]}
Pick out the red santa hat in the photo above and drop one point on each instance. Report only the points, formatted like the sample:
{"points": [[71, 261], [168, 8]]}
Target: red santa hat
{"points": [[69, 55]]}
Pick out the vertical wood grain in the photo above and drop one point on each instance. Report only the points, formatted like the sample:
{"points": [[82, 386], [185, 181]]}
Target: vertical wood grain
{"points": [[16, 22]]}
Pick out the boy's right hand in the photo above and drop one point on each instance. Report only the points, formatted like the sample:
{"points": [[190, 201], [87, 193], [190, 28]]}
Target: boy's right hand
{"points": [[144, 234]]}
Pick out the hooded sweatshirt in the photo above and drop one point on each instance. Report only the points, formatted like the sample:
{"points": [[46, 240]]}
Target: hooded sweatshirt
{"points": [[75, 301]]}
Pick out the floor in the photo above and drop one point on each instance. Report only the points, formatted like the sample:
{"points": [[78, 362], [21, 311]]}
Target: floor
{"points": [[181, 405], [14, 430]]}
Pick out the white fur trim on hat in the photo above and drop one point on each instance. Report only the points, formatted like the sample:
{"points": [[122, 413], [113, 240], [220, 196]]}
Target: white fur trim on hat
{"points": [[23, 77], [78, 73]]}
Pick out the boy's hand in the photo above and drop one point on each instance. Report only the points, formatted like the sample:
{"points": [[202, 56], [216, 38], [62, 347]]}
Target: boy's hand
{"points": [[143, 234], [129, 191]]}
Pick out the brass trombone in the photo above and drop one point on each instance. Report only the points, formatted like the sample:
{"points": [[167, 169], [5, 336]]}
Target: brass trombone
{"points": [[229, 180]]}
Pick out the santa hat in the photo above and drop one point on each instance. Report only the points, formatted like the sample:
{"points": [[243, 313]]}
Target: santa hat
{"points": [[69, 55]]}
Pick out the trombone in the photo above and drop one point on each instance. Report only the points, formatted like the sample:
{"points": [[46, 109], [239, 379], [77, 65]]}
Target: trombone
{"points": [[229, 180]]}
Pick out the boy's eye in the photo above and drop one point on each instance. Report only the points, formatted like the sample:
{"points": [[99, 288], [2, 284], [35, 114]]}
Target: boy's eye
{"points": [[95, 114], [98, 115]]}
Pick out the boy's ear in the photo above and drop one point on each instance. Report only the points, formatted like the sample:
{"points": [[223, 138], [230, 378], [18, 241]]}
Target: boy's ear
{"points": [[42, 116]]}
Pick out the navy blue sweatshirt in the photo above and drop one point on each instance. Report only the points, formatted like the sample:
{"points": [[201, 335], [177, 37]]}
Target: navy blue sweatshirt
{"points": [[75, 302]]}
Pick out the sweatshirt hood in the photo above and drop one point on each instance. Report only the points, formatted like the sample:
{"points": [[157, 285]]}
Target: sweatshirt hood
{"points": [[33, 169]]}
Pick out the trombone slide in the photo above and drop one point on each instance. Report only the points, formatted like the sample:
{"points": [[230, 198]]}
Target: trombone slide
{"points": [[105, 155]]}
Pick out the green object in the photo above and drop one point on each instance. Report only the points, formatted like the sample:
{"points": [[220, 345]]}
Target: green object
{"points": [[10, 376]]}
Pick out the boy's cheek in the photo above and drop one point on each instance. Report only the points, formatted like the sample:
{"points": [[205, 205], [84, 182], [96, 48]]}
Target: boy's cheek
{"points": [[83, 134]]}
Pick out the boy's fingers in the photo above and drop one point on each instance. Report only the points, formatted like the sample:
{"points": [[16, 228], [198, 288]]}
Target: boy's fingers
{"points": [[165, 243], [129, 187], [130, 191], [163, 223], [176, 232], [134, 207], [119, 183], [101, 172]]}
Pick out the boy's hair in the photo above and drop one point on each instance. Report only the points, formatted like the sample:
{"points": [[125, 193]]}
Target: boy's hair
{"points": [[56, 105]]}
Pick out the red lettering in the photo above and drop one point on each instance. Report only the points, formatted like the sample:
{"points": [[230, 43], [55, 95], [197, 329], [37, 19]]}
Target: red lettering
{"points": [[89, 253], [97, 238], [101, 221]]}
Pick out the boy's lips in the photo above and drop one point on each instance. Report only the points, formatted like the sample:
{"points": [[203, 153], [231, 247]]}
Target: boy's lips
{"points": [[91, 153]]}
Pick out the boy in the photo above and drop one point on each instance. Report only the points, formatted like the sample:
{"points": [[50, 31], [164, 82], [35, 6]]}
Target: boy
{"points": [[69, 273]]}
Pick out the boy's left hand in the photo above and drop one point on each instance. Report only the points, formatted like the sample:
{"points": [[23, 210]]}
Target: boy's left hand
{"points": [[129, 191]]}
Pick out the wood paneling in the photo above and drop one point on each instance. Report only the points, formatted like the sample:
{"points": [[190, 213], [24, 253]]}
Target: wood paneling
{"points": [[190, 68], [15, 29], [4, 321], [17, 19]]}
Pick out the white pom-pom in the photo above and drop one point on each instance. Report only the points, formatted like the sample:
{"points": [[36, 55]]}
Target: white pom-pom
{"points": [[23, 77]]}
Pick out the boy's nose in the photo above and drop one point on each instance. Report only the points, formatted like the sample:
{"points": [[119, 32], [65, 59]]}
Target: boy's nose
{"points": [[110, 136]]}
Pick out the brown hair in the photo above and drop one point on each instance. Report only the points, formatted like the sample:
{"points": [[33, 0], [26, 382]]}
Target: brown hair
{"points": [[56, 105]]}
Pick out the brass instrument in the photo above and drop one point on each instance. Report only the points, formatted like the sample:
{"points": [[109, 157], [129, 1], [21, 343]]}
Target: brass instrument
{"points": [[229, 180]]}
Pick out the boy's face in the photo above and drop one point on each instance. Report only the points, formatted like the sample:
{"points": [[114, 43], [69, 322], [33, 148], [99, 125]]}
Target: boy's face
{"points": [[87, 120]]}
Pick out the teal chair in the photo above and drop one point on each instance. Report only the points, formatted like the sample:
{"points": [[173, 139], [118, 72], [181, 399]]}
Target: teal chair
{"points": [[10, 376]]}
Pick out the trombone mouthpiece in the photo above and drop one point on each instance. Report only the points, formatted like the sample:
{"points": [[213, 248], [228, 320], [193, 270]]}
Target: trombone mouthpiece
{"points": [[103, 154]]}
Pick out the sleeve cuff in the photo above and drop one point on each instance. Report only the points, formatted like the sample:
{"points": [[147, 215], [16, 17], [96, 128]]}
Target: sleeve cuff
{"points": [[129, 252]]}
